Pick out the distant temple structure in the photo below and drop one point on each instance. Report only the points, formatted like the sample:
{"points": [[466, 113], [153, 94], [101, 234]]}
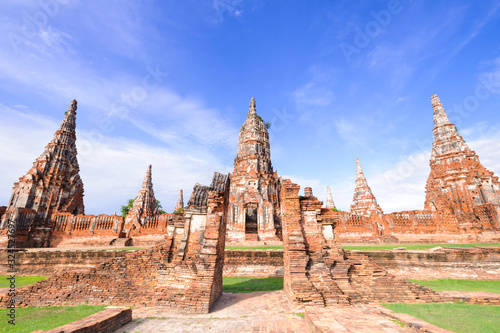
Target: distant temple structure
{"points": [[144, 205], [364, 202], [254, 210], [462, 199]]}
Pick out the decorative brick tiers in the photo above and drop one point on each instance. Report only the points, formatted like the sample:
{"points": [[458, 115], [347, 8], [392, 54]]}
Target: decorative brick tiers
{"points": [[459, 187], [52, 185], [254, 212]]}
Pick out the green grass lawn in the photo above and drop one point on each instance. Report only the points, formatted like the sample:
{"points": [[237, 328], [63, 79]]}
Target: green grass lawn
{"points": [[248, 285], [31, 318], [460, 285], [21, 281], [456, 317], [263, 247], [412, 246]]}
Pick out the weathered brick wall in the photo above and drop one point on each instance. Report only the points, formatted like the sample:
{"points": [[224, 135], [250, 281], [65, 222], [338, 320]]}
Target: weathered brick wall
{"points": [[455, 263], [255, 263], [49, 263], [319, 272], [184, 271]]}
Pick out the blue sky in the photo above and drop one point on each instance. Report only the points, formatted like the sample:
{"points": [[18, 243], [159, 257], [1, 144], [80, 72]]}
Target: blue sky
{"points": [[169, 82]]}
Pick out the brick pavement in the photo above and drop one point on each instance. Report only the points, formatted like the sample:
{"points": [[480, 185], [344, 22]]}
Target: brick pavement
{"points": [[265, 312], [232, 313]]}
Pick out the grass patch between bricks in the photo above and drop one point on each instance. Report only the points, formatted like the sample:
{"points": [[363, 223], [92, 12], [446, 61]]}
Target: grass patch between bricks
{"points": [[45, 318], [249, 285], [21, 281], [460, 285], [456, 317], [412, 246]]}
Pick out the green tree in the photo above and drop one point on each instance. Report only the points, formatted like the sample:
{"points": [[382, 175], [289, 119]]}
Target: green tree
{"points": [[158, 206], [126, 209]]}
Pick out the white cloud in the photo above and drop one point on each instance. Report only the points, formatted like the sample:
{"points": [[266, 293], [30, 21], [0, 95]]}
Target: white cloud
{"points": [[313, 94]]}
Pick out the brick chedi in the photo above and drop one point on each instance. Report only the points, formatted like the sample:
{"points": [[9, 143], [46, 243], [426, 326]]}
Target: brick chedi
{"points": [[254, 212], [53, 184], [329, 199], [458, 184], [364, 202], [144, 205]]}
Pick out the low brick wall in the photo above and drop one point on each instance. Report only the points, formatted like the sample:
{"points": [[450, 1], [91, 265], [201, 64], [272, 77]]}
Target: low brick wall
{"points": [[49, 263], [106, 321], [459, 263], [479, 263], [256, 263]]}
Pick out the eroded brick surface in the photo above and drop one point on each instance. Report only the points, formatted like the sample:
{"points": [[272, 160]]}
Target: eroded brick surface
{"points": [[51, 186], [144, 206], [318, 272]]}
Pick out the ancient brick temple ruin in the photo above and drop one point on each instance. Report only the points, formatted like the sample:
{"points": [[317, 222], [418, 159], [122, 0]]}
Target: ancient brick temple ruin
{"points": [[184, 271], [53, 185], [329, 199], [254, 212], [317, 270], [462, 200], [364, 202], [463, 192], [184, 268], [144, 206]]}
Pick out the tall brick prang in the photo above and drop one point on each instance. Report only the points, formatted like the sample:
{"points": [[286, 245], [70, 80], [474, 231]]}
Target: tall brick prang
{"points": [[144, 205], [254, 212], [53, 184], [458, 183], [364, 202]]}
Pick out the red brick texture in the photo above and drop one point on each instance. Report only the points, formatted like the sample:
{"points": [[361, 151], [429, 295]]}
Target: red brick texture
{"points": [[319, 272], [184, 271]]}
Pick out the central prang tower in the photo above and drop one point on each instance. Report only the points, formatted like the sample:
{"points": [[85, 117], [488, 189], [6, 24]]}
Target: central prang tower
{"points": [[254, 212]]}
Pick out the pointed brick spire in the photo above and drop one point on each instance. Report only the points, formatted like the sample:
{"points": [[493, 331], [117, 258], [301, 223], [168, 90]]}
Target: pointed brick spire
{"points": [[180, 202], [359, 171], [364, 202], [146, 196], [252, 109], [440, 116], [53, 184], [144, 204], [329, 199], [458, 181]]}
